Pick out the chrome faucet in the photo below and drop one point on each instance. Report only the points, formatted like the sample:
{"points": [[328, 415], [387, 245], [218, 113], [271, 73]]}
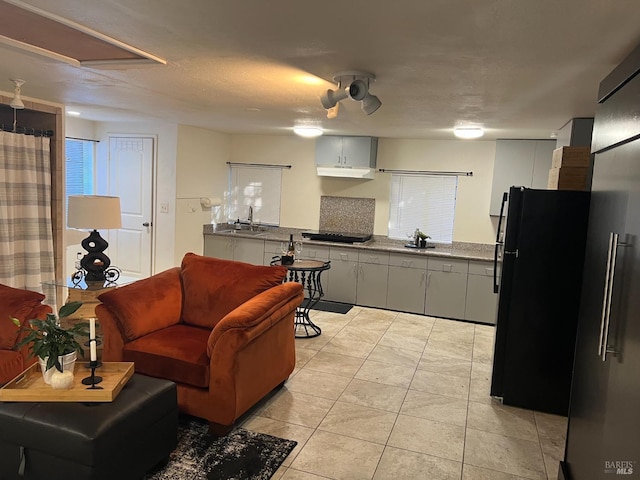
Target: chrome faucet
{"points": [[250, 217]]}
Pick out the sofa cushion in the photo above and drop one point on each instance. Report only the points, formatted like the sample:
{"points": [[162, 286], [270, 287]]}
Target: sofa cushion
{"points": [[146, 305], [177, 353], [15, 302], [11, 365], [214, 287]]}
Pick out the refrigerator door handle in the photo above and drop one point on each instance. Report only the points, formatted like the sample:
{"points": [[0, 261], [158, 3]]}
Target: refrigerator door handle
{"points": [[505, 197], [605, 296], [606, 317], [496, 254]]}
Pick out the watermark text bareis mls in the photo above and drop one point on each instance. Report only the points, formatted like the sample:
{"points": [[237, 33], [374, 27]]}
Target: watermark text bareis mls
{"points": [[619, 467]]}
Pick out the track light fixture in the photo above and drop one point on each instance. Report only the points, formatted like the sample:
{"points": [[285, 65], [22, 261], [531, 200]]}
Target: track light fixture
{"points": [[16, 103], [354, 85]]}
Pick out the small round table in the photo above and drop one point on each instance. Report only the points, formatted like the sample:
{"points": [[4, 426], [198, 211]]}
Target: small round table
{"points": [[307, 272]]}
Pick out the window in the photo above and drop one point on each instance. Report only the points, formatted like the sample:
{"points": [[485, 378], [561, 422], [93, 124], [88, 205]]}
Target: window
{"points": [[258, 187], [427, 202], [79, 167]]}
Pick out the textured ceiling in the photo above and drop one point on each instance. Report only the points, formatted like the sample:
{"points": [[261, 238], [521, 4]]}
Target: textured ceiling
{"points": [[520, 68]]}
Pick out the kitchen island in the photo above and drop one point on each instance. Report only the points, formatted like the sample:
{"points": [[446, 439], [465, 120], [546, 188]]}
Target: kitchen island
{"points": [[446, 281]]}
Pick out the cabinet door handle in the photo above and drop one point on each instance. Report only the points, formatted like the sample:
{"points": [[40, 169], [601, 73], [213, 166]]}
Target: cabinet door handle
{"points": [[428, 279]]}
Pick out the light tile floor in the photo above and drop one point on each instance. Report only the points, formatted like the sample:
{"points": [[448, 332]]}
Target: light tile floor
{"points": [[386, 395]]}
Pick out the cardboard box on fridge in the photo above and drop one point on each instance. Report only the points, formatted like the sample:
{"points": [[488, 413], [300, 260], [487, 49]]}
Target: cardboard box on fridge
{"points": [[568, 178], [571, 157]]}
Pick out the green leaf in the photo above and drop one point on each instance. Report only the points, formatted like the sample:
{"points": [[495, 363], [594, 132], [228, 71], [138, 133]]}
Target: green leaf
{"points": [[69, 308], [15, 321]]}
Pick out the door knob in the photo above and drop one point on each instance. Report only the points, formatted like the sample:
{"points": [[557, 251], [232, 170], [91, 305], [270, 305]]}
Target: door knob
{"points": [[146, 224]]}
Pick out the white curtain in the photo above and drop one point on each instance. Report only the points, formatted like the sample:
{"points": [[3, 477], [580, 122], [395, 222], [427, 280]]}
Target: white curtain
{"points": [[26, 236]]}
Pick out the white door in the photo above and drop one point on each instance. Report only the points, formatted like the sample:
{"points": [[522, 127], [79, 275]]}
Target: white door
{"points": [[130, 178]]}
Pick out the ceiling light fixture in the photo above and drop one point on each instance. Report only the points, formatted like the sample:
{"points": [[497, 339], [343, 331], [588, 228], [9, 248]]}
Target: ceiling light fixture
{"points": [[354, 85], [468, 132], [73, 113], [16, 103], [307, 132]]}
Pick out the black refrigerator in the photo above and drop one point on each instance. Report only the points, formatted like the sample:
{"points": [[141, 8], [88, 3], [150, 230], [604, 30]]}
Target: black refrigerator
{"points": [[603, 437], [539, 295]]}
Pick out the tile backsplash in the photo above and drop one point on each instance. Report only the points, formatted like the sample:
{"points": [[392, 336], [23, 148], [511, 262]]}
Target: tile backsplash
{"points": [[347, 214]]}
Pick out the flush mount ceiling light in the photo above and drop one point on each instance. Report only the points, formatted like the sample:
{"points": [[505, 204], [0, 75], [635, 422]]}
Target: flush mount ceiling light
{"points": [[16, 103], [468, 132], [354, 85], [307, 132]]}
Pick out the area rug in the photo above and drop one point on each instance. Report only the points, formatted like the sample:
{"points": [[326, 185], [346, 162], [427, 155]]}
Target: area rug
{"points": [[333, 307], [240, 455]]}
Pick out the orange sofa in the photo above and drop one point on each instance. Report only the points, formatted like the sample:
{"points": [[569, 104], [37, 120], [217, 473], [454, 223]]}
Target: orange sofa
{"points": [[222, 330], [23, 305]]}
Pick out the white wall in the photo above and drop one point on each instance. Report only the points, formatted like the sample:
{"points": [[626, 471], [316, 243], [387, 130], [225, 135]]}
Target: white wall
{"points": [[192, 163], [202, 171], [302, 188]]}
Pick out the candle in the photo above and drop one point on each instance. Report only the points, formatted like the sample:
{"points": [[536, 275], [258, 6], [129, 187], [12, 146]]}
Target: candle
{"points": [[92, 339], [94, 354]]}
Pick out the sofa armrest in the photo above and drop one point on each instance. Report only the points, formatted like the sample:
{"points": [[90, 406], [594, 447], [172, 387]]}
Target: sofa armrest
{"points": [[112, 337], [249, 320]]}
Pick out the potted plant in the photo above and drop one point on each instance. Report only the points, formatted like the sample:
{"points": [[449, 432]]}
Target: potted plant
{"points": [[50, 342], [422, 237]]}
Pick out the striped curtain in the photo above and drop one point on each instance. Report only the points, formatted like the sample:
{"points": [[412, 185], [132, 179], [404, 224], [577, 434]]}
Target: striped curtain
{"points": [[26, 236]]}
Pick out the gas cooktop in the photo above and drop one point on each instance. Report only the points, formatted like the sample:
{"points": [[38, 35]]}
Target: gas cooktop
{"points": [[337, 237]]}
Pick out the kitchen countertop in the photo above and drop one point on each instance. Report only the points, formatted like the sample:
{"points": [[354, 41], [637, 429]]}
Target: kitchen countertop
{"points": [[460, 250]]}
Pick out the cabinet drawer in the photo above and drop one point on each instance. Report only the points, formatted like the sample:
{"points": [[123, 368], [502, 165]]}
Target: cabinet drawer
{"points": [[315, 252], [408, 261], [377, 258], [343, 254], [272, 246], [448, 265], [481, 268]]}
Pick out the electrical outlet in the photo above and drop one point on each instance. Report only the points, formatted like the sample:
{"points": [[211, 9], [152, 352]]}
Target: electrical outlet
{"points": [[164, 208]]}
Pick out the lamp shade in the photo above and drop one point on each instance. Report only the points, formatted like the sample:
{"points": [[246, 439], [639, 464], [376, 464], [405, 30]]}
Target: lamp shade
{"points": [[94, 212]]}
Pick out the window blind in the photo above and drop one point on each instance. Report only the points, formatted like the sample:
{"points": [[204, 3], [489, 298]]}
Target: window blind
{"points": [[258, 187], [425, 202]]}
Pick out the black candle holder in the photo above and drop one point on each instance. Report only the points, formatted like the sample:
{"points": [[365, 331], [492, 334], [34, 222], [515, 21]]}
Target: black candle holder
{"points": [[93, 379]]}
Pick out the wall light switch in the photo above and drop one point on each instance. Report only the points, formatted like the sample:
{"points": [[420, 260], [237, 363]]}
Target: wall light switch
{"points": [[164, 208]]}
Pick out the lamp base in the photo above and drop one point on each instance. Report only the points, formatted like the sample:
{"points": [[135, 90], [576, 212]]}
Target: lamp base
{"points": [[95, 262]]}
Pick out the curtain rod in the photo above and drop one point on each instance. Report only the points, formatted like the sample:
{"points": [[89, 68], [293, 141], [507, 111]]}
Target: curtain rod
{"points": [[426, 172], [264, 165], [82, 139], [26, 131]]}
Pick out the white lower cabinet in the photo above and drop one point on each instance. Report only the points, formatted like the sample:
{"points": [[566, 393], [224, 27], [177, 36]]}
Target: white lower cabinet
{"points": [[218, 246], [373, 272], [249, 250], [407, 283], [435, 286], [446, 288], [482, 303], [342, 276]]}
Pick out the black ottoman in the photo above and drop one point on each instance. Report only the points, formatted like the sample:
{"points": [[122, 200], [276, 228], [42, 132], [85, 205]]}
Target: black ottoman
{"points": [[117, 440]]}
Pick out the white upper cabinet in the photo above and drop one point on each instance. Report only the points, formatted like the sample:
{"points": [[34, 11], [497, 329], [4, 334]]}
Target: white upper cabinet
{"points": [[524, 163], [345, 152]]}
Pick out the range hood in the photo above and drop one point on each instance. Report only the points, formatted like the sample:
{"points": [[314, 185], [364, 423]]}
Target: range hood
{"points": [[345, 172]]}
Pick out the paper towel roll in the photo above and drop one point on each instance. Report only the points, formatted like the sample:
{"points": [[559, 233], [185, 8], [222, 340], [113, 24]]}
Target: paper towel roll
{"points": [[208, 202]]}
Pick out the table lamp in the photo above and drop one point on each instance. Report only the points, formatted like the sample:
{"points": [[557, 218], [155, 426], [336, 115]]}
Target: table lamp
{"points": [[93, 212]]}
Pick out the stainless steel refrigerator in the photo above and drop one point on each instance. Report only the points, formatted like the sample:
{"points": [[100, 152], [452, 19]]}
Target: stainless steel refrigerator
{"points": [[539, 294], [603, 438]]}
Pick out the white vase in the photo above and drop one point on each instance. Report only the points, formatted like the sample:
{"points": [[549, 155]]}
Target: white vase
{"points": [[67, 362]]}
